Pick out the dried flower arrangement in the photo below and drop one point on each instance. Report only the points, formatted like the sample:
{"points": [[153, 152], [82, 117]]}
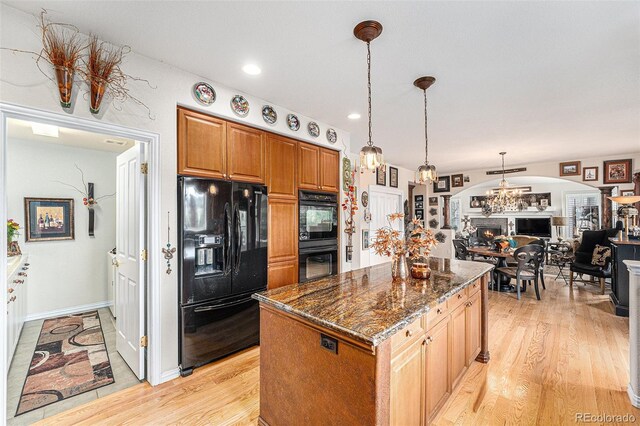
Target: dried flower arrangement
{"points": [[87, 198], [418, 242], [350, 206]]}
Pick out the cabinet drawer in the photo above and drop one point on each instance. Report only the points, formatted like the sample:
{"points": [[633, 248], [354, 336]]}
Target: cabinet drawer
{"points": [[404, 337], [457, 299], [474, 288], [436, 314]]}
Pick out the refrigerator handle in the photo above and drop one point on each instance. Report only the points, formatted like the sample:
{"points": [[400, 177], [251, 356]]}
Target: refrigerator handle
{"points": [[227, 236], [221, 306], [238, 238]]}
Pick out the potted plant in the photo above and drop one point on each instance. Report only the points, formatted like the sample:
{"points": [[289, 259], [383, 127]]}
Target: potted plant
{"points": [[12, 231], [416, 245]]}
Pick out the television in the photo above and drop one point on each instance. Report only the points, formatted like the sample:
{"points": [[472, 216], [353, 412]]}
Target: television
{"points": [[535, 227]]}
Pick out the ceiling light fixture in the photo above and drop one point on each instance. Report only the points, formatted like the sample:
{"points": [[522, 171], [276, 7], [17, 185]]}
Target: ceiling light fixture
{"points": [[426, 173], [370, 155], [505, 199], [251, 69], [41, 129], [353, 116]]}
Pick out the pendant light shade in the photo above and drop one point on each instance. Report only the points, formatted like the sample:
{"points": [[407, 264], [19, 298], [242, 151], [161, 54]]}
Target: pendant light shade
{"points": [[426, 173], [370, 155]]}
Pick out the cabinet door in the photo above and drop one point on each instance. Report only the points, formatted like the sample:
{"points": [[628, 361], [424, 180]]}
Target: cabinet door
{"points": [[408, 385], [474, 327], [282, 156], [247, 153], [329, 170], [308, 166], [282, 243], [281, 274], [459, 352], [437, 371], [201, 145]]}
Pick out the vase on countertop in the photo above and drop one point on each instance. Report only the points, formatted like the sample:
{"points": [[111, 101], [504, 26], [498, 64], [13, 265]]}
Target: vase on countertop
{"points": [[399, 268]]}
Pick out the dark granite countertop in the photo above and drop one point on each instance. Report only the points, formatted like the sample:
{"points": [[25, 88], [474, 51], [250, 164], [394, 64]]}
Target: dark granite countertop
{"points": [[630, 242], [366, 305]]}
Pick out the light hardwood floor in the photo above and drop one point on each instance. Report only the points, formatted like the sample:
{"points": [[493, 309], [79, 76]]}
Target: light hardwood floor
{"points": [[550, 359]]}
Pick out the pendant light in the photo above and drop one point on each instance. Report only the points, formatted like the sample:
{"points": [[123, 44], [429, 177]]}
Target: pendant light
{"points": [[370, 155], [426, 173], [505, 199]]}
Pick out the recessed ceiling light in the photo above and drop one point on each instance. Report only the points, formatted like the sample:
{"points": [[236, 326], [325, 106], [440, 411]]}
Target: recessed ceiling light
{"points": [[252, 69], [44, 130], [353, 116]]}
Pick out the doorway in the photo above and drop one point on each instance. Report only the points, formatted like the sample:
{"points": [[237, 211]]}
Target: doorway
{"points": [[383, 202], [53, 222]]}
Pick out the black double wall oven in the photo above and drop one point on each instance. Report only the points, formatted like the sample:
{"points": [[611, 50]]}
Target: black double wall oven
{"points": [[222, 261], [318, 235]]}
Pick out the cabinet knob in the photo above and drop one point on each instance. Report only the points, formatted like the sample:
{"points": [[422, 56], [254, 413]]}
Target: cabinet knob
{"points": [[409, 333], [459, 296], [439, 311], [424, 342], [429, 339]]}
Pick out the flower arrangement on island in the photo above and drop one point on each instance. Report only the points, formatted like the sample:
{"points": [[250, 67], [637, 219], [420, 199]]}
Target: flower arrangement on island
{"points": [[416, 244]]}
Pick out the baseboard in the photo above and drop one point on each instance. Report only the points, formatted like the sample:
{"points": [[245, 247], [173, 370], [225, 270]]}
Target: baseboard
{"points": [[67, 311], [170, 375], [635, 399]]}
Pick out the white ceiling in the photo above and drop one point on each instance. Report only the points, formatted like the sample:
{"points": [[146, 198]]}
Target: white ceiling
{"points": [[544, 81], [21, 130]]}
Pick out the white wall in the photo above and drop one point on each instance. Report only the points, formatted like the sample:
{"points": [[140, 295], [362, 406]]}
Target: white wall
{"points": [[22, 84], [67, 273]]}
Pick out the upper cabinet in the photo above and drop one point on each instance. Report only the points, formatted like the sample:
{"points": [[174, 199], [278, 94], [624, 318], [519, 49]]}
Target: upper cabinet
{"points": [[281, 167], [318, 168], [202, 145], [246, 153]]}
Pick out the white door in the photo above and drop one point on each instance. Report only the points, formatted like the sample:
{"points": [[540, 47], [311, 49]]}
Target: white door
{"points": [[130, 274], [381, 204]]}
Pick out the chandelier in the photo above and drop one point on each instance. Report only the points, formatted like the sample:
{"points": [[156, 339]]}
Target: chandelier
{"points": [[505, 198], [370, 155], [426, 173]]}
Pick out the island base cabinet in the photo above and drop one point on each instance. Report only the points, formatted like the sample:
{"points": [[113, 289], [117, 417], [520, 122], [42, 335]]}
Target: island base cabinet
{"points": [[459, 343], [408, 385], [438, 383], [474, 329]]}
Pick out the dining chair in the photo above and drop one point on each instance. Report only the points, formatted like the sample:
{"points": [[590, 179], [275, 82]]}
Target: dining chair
{"points": [[529, 258]]}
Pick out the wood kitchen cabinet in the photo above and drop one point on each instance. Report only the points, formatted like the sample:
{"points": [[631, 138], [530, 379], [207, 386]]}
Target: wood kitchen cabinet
{"points": [[459, 352], [246, 153], [281, 274], [474, 331], [283, 230], [408, 385], [329, 170], [437, 370], [282, 157], [318, 168], [202, 145]]}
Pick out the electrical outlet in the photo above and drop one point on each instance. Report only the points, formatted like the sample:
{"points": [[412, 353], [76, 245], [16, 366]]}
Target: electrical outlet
{"points": [[329, 343]]}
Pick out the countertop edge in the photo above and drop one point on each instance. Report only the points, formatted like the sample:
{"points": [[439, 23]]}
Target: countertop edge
{"points": [[377, 339]]}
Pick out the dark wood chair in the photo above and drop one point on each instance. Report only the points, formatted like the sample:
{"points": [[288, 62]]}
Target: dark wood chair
{"points": [[461, 250], [529, 258], [582, 264]]}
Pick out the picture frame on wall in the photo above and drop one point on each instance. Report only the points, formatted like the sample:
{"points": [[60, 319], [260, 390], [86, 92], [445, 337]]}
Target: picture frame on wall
{"points": [[393, 177], [49, 219], [590, 174], [419, 214], [570, 168], [628, 193], [617, 171], [381, 176], [457, 181], [365, 239], [419, 205], [443, 184], [418, 198], [433, 201]]}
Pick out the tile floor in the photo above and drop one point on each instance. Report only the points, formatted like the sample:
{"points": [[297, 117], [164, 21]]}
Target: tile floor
{"points": [[122, 374]]}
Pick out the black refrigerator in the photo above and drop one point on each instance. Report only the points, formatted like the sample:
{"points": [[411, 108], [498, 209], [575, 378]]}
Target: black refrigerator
{"points": [[223, 260]]}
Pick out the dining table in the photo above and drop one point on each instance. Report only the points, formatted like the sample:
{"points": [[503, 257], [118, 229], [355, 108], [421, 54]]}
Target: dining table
{"points": [[501, 258]]}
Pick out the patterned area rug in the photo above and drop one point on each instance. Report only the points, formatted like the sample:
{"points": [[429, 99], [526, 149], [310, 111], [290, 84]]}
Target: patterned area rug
{"points": [[70, 358]]}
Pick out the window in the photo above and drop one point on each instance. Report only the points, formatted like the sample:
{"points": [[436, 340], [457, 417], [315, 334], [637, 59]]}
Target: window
{"points": [[583, 211]]}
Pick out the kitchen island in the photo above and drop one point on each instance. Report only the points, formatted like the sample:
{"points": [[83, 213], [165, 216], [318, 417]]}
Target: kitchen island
{"points": [[360, 349]]}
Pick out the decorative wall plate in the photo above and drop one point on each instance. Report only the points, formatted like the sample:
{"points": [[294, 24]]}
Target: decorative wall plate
{"points": [[332, 136], [433, 211], [433, 223], [314, 129], [240, 105], [365, 198], [346, 174], [269, 115], [204, 93], [293, 122], [440, 237]]}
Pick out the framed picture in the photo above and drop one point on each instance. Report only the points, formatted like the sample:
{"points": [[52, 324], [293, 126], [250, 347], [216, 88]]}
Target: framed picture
{"points": [[381, 176], [570, 168], [628, 193], [590, 174], [443, 184], [365, 239], [433, 201], [519, 188], [393, 177], [48, 219], [419, 205], [467, 179], [457, 181], [617, 171], [420, 214], [418, 198]]}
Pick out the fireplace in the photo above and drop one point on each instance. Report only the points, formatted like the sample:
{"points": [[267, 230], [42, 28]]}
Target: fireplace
{"points": [[486, 234]]}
